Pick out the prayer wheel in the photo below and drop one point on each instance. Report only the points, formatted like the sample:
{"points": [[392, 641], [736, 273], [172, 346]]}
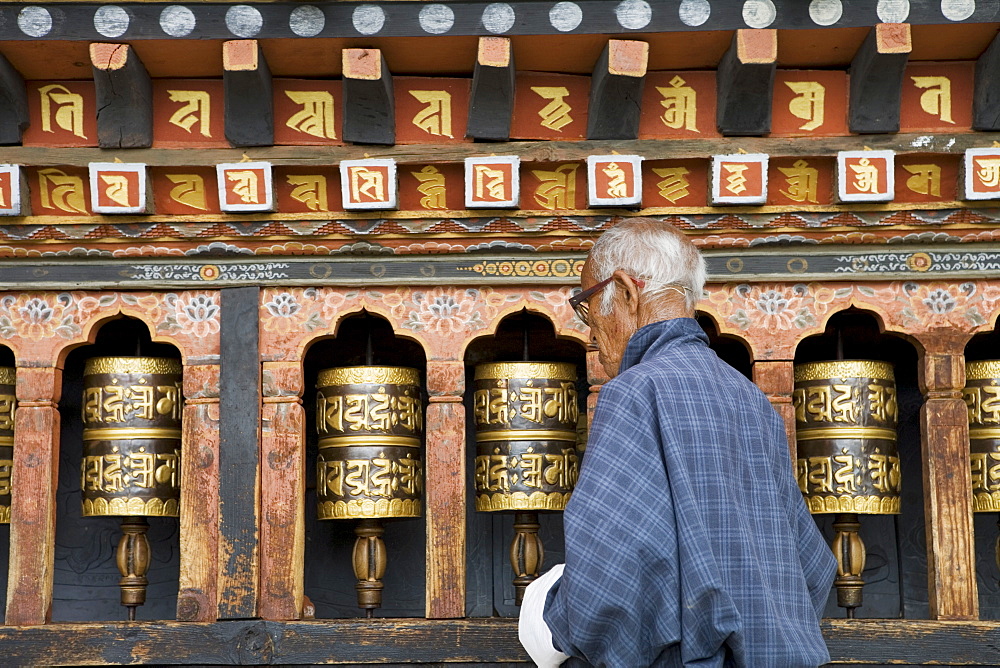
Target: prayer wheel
{"points": [[526, 416], [131, 454], [845, 427], [370, 422], [7, 403], [982, 397]]}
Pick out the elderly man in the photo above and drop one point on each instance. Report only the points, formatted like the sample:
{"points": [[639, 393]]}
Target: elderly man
{"points": [[687, 539]]}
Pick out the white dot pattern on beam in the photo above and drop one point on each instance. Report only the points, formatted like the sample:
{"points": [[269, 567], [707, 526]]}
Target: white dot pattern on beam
{"points": [[34, 21], [368, 19], [111, 21], [694, 12], [244, 20], [498, 17], [958, 10], [436, 19], [893, 11], [177, 21], [759, 13], [565, 16], [307, 21], [826, 12], [634, 14]]}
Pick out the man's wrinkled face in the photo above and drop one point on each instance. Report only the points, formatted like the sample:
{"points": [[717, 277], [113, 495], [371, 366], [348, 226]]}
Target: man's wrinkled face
{"points": [[610, 332]]}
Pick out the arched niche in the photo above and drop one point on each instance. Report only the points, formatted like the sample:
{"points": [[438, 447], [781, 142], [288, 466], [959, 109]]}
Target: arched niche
{"points": [[360, 338], [732, 350], [985, 346], [6, 360], [523, 335], [895, 574], [86, 576]]}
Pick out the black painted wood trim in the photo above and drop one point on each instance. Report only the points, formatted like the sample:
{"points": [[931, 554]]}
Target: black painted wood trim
{"points": [[986, 96], [124, 104], [249, 105], [370, 108], [239, 434], [491, 101], [615, 102], [876, 88], [13, 104], [744, 93]]}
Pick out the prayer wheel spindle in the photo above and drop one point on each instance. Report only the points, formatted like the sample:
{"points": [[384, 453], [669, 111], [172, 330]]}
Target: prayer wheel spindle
{"points": [[370, 422], [526, 417], [845, 427], [8, 401], [982, 397], [131, 455]]}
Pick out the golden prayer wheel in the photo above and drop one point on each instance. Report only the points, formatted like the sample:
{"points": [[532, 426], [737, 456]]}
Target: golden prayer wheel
{"points": [[8, 401], [982, 397], [370, 421], [845, 428], [131, 454], [526, 416]]}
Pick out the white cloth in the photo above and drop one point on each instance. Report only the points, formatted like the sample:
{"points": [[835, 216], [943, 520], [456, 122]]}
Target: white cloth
{"points": [[532, 630]]}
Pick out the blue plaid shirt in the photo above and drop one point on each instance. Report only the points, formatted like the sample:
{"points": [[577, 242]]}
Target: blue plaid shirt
{"points": [[687, 539]]}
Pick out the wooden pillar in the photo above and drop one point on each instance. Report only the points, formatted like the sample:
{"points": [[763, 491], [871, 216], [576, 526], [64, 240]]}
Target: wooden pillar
{"points": [[33, 506], [776, 379], [445, 490], [197, 599], [282, 528], [944, 436]]}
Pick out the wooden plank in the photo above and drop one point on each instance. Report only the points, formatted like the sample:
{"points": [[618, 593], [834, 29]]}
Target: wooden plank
{"points": [[986, 94], [491, 99], [197, 598], [745, 83], [947, 478], [239, 439], [13, 104], [283, 482], [369, 102], [33, 505], [249, 101], [445, 490], [876, 77], [529, 151], [124, 97], [616, 90]]}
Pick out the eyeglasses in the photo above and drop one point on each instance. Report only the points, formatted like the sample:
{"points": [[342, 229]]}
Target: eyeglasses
{"points": [[582, 308]]}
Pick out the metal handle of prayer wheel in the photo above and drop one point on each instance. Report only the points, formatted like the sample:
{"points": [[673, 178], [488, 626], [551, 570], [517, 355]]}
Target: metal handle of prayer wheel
{"points": [[133, 557], [526, 552], [850, 553], [369, 564]]}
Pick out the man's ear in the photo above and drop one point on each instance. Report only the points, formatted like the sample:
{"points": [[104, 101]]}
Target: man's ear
{"points": [[629, 291]]}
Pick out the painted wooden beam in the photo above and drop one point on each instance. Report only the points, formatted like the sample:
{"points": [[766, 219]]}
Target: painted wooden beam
{"points": [[124, 95], [491, 101], [13, 104], [616, 90], [369, 103], [877, 79], [249, 101], [745, 83], [986, 95]]}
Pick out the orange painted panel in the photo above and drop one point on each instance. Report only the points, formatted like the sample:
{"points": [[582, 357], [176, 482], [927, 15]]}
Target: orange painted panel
{"points": [[62, 113], [307, 112], [431, 110], [431, 187], [308, 189], [550, 106], [678, 104], [674, 183], [59, 191], [185, 190], [800, 181], [809, 103], [554, 186], [188, 112], [927, 178], [937, 96]]}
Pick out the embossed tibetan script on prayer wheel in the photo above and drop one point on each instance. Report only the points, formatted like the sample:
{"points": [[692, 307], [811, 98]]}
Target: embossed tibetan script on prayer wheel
{"points": [[845, 428], [526, 416], [370, 421], [7, 404], [131, 454], [982, 396]]}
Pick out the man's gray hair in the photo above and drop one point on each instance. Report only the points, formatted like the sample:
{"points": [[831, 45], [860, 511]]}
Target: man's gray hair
{"points": [[655, 251]]}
